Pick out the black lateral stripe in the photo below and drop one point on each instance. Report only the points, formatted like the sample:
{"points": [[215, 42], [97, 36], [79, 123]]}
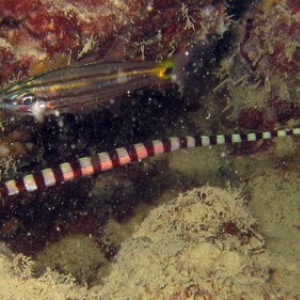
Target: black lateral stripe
{"points": [[76, 168], [167, 144], [58, 174], [198, 140], [39, 180], [132, 153], [149, 148], [20, 185], [228, 138], [96, 163], [114, 158], [183, 142], [3, 190]]}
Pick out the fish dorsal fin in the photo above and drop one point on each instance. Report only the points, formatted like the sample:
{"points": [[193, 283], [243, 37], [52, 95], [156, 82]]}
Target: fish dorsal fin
{"points": [[116, 51], [41, 66]]}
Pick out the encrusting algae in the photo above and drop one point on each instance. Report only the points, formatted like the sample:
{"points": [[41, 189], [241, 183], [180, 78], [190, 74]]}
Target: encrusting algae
{"points": [[203, 244]]}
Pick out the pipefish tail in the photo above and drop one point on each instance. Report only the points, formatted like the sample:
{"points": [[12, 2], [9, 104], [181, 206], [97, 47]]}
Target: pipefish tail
{"points": [[83, 87], [105, 161]]}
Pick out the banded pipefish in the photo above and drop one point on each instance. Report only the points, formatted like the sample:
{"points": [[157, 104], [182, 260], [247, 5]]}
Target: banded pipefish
{"points": [[83, 87], [105, 161]]}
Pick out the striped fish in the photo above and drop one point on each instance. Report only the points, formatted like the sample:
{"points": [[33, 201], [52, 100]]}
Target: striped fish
{"points": [[83, 87], [105, 161]]}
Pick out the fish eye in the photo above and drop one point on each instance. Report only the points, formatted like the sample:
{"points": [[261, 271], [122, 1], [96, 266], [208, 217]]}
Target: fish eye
{"points": [[26, 99], [169, 71]]}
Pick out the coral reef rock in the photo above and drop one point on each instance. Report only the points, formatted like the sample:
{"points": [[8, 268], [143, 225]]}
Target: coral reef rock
{"points": [[262, 72], [203, 244]]}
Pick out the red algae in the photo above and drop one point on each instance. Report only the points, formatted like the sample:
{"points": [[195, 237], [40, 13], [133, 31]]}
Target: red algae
{"points": [[17, 9], [38, 30]]}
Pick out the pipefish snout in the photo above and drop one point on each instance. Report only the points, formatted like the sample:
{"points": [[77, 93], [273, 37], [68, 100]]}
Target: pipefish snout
{"points": [[83, 87]]}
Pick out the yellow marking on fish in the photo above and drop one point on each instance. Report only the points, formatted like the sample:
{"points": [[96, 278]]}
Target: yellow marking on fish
{"points": [[166, 65], [65, 86]]}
